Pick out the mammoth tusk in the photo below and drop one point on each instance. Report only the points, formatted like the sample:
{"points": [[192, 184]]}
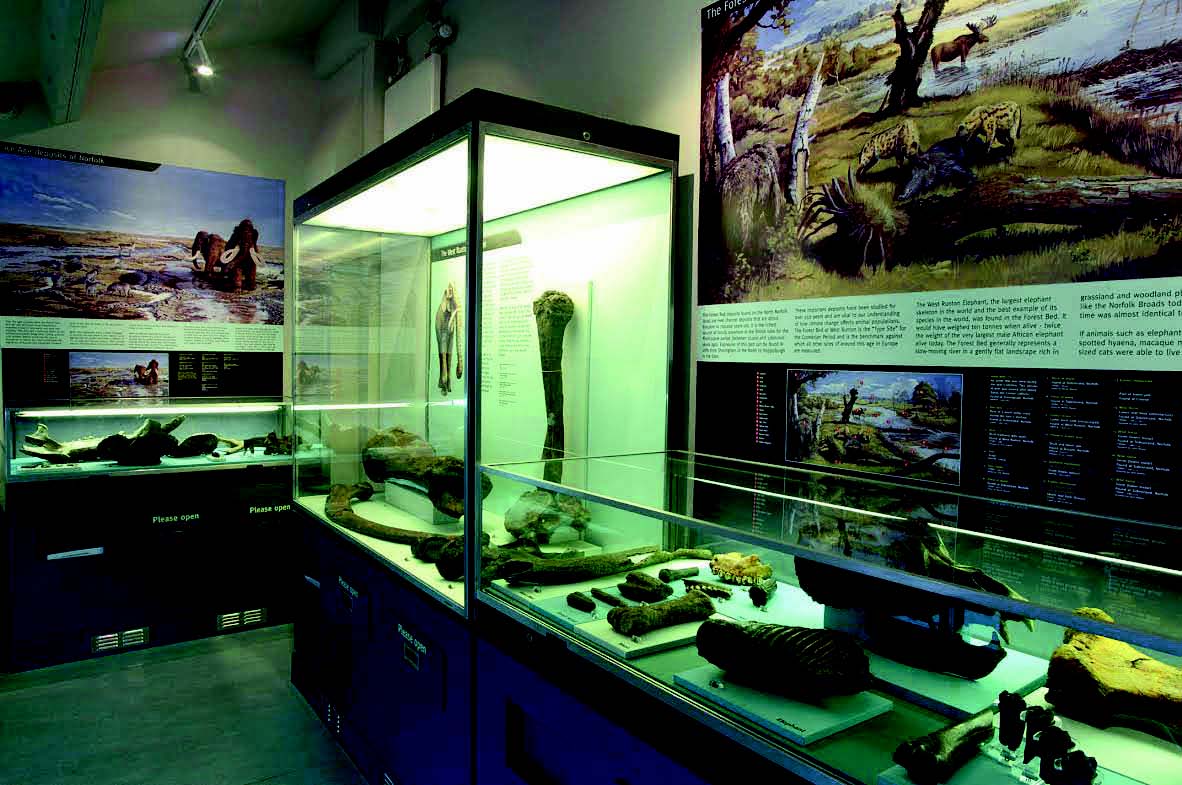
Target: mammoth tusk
{"points": [[229, 254], [258, 260], [197, 267]]}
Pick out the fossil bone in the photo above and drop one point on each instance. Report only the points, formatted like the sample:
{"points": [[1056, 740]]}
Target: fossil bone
{"points": [[637, 620], [644, 588], [932, 759], [607, 599], [522, 569], [734, 567], [669, 575], [399, 454], [339, 509], [580, 601]]}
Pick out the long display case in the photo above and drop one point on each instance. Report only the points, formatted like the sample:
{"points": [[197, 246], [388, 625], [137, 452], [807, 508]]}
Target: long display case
{"points": [[861, 632], [497, 228], [166, 435]]}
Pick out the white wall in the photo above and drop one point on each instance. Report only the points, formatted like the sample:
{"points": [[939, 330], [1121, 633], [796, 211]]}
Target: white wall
{"points": [[637, 62]]}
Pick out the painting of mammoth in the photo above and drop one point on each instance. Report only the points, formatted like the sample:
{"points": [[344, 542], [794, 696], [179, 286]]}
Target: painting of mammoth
{"points": [[231, 265]]}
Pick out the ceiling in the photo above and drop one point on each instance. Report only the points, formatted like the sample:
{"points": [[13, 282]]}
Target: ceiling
{"points": [[137, 31]]}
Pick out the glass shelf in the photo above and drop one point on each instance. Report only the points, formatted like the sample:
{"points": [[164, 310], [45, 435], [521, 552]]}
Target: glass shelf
{"points": [[1054, 561]]}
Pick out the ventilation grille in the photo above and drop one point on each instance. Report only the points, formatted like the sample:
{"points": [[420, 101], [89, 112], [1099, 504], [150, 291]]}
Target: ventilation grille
{"points": [[109, 641], [228, 621]]}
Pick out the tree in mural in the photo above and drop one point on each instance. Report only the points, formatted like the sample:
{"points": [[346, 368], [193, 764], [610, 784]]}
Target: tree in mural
{"points": [[804, 426], [914, 44], [924, 396], [848, 402]]}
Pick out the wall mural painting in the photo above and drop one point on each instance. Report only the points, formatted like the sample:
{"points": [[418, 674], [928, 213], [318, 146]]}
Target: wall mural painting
{"points": [[854, 148], [901, 423], [164, 244]]}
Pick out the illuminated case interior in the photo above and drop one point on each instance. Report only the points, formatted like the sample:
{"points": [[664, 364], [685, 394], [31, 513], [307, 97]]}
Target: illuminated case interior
{"points": [[84, 440], [416, 356], [932, 586]]}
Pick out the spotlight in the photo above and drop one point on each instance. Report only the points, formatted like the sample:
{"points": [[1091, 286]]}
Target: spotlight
{"points": [[198, 59], [194, 57]]}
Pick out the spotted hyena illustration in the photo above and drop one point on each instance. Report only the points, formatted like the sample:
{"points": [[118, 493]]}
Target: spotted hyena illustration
{"points": [[899, 142], [996, 122]]}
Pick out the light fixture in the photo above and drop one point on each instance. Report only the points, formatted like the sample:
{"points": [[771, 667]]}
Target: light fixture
{"points": [[200, 57], [88, 411], [196, 60]]}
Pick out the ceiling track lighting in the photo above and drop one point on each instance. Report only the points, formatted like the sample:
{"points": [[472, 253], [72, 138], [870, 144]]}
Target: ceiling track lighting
{"points": [[195, 58]]}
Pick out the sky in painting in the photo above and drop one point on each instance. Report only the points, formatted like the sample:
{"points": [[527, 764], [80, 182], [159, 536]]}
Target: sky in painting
{"points": [[171, 201], [885, 385]]}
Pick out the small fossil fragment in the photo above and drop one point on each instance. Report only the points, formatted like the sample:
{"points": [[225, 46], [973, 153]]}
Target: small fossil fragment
{"points": [[580, 601], [734, 567], [1010, 724], [761, 593], [668, 575], [1053, 744], [694, 606], [607, 599], [644, 588], [797, 662], [932, 759], [1038, 719], [709, 589]]}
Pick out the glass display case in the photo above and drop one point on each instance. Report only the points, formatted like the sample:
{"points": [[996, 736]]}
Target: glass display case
{"points": [[448, 285], [106, 437], [862, 632]]}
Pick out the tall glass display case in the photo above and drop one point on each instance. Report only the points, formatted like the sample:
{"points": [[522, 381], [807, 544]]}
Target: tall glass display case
{"points": [[450, 286], [857, 631]]}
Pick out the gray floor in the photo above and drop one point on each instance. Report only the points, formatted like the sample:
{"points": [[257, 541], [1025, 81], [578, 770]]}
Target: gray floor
{"points": [[219, 711]]}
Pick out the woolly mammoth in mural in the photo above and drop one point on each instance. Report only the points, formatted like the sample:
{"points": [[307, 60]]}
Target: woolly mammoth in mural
{"points": [[231, 265]]}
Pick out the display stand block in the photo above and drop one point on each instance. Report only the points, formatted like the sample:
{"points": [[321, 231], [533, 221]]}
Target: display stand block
{"points": [[802, 723], [415, 503], [1017, 672], [982, 770]]}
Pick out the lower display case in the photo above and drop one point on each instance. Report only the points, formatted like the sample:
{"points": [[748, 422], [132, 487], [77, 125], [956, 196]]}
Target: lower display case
{"points": [[372, 651], [132, 561], [712, 584]]}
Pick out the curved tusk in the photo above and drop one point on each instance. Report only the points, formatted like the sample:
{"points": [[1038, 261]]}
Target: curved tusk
{"points": [[195, 265], [229, 254], [258, 260]]}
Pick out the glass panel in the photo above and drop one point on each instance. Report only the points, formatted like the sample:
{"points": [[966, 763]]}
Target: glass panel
{"points": [[574, 327], [173, 434], [378, 365], [925, 606]]}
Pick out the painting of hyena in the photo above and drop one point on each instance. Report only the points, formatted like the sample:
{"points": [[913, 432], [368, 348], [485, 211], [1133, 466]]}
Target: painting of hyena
{"points": [[852, 147]]}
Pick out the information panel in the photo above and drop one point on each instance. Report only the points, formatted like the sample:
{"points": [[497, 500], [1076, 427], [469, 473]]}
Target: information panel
{"points": [[941, 255]]}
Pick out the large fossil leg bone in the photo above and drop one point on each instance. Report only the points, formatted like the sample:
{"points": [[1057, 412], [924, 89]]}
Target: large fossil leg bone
{"points": [[797, 662], [637, 620], [552, 312], [399, 454]]}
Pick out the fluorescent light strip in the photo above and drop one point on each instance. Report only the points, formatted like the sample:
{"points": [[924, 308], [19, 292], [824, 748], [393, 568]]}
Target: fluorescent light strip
{"points": [[775, 495], [1064, 551], [145, 411], [335, 407]]}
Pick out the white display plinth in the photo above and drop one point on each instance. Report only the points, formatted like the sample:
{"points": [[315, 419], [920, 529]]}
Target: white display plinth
{"points": [[802, 723]]}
